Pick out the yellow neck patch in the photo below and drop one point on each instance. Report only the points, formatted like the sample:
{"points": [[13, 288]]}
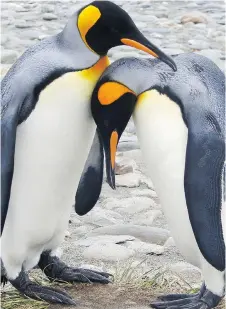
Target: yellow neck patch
{"points": [[110, 92], [87, 18], [96, 70], [148, 94]]}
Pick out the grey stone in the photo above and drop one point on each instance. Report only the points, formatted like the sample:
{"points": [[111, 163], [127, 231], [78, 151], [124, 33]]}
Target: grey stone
{"points": [[124, 165], [130, 180], [214, 6], [107, 192], [129, 205], [82, 230], [210, 53], [159, 30], [144, 192], [43, 36], [111, 203], [170, 243], [189, 24], [128, 142], [8, 56], [21, 9], [141, 17], [129, 52], [102, 217], [47, 8], [198, 44], [220, 39], [161, 14], [185, 269], [104, 239], [92, 267], [157, 36], [107, 252], [152, 235], [126, 146], [4, 39], [141, 24], [147, 218], [200, 26], [49, 16], [74, 219], [31, 34], [191, 5], [147, 181], [135, 154], [144, 247], [67, 234], [128, 138], [22, 24], [194, 17], [134, 205], [173, 51]]}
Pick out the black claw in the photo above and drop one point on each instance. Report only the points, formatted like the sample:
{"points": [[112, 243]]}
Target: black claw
{"points": [[94, 276], [56, 270], [104, 274], [202, 300], [24, 285], [172, 297], [166, 304], [190, 306]]}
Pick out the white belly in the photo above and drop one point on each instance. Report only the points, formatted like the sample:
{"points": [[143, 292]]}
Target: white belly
{"points": [[163, 139], [51, 148]]}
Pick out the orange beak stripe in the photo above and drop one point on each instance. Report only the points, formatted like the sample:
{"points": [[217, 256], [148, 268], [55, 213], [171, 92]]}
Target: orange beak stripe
{"points": [[113, 147], [139, 46]]}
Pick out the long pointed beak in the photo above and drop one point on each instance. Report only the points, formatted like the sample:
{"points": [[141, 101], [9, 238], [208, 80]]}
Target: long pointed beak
{"points": [[141, 43], [110, 154]]}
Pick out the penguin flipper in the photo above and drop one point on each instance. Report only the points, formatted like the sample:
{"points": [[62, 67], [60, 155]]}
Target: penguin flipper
{"points": [[203, 183], [91, 180], [9, 121]]}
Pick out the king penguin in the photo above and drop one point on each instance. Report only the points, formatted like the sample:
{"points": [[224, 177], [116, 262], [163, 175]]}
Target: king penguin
{"points": [[46, 131], [180, 123]]}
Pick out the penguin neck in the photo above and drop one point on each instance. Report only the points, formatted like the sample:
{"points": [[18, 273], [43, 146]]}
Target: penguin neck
{"points": [[72, 41], [136, 74]]}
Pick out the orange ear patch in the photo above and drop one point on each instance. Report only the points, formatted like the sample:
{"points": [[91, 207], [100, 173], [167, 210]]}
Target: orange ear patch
{"points": [[110, 92], [139, 46], [113, 147], [87, 18]]}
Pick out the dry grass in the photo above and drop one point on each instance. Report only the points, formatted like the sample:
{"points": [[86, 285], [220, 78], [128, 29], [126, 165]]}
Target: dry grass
{"points": [[131, 288]]}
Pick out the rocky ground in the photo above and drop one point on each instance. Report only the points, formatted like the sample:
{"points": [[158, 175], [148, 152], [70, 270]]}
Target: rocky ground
{"points": [[126, 233]]}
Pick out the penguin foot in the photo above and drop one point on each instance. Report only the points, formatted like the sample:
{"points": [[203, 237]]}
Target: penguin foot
{"points": [[26, 287], [205, 300], [4, 280], [171, 297], [56, 270]]}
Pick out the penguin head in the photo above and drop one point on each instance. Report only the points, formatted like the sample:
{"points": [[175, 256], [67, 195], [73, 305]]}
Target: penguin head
{"points": [[112, 105], [103, 25]]}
